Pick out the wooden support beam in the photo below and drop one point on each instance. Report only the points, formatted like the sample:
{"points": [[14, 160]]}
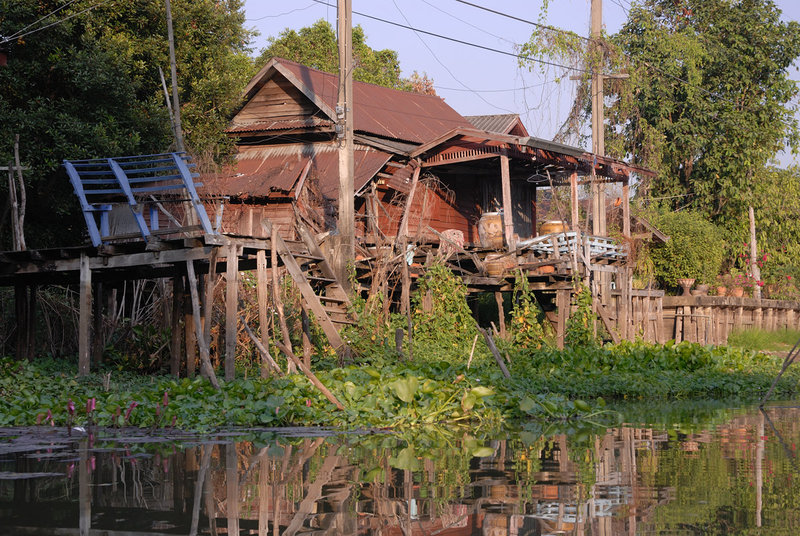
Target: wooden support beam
{"points": [[202, 342], [562, 304], [175, 321], [501, 313], [231, 306], [402, 230], [573, 201], [626, 210], [261, 288], [276, 293], [310, 375], [190, 337], [84, 324], [495, 352], [268, 360], [609, 325], [508, 215]]}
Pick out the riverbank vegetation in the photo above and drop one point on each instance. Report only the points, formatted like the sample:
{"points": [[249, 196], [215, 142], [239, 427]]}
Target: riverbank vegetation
{"points": [[452, 377]]}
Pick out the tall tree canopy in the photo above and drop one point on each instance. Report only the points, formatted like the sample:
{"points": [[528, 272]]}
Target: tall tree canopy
{"points": [[316, 47], [88, 86], [708, 101]]}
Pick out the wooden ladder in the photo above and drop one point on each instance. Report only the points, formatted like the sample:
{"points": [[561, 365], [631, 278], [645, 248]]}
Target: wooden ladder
{"points": [[317, 283]]}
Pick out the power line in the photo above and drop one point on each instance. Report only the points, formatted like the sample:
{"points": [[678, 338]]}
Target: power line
{"points": [[446, 68], [434, 6], [15, 34], [60, 21], [462, 42], [280, 14]]}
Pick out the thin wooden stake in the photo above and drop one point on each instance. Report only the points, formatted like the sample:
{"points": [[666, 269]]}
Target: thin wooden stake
{"points": [[310, 375], [84, 357], [495, 352], [276, 295], [263, 322], [231, 304], [202, 342], [262, 349]]}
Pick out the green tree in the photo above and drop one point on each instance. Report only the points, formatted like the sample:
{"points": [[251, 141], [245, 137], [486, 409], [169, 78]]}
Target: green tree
{"points": [[316, 47], [708, 101], [89, 86]]}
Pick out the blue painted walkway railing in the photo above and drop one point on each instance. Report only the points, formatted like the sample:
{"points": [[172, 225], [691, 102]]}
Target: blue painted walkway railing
{"points": [[142, 182]]}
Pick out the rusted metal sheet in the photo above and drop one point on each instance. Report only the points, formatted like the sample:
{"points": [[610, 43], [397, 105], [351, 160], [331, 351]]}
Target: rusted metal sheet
{"points": [[387, 112], [259, 171], [263, 126], [502, 123]]}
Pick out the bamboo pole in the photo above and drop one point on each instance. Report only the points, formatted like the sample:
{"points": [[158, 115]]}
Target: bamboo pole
{"points": [[84, 356]]}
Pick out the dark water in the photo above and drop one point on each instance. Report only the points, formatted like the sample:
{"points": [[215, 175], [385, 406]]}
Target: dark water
{"points": [[697, 469]]}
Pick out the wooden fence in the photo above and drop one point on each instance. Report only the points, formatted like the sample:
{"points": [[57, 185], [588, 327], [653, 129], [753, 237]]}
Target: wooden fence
{"points": [[654, 317]]}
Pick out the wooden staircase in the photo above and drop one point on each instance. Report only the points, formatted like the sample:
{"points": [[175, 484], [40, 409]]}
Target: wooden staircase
{"points": [[321, 290]]}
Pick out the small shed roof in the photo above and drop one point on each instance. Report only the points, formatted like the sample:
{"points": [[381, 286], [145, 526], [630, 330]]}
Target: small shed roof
{"points": [[502, 123], [377, 110]]}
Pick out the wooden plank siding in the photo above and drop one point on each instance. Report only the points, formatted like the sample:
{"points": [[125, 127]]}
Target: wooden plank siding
{"points": [[245, 219], [278, 99]]}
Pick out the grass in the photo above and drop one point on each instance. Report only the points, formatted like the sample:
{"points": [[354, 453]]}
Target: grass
{"points": [[764, 341]]}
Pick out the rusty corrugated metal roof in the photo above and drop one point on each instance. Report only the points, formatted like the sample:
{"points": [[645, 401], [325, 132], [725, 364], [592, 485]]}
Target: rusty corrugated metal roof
{"points": [[382, 111], [259, 171], [502, 123], [281, 125]]}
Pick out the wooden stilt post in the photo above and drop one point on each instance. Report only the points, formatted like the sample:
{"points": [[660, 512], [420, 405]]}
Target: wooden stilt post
{"points": [[208, 298], [84, 325], [231, 305], [177, 310], [276, 296], [562, 303], [501, 314], [190, 338], [573, 201], [508, 214], [263, 319], [202, 342], [306, 328]]}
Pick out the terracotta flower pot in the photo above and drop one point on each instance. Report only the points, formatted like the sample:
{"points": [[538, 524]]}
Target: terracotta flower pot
{"points": [[686, 285], [722, 290], [737, 292]]}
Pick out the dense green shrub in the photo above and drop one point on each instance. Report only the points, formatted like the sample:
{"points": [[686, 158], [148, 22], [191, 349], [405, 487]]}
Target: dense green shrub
{"points": [[695, 249]]}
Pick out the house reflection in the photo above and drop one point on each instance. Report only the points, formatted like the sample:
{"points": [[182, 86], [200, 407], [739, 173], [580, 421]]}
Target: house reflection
{"points": [[378, 485]]}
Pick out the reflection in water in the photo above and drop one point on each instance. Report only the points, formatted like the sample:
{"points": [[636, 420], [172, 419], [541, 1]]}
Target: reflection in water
{"points": [[735, 473]]}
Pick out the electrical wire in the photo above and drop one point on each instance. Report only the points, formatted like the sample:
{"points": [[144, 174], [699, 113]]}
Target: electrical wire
{"points": [[15, 34], [462, 42], [445, 67], [281, 14], [60, 21]]}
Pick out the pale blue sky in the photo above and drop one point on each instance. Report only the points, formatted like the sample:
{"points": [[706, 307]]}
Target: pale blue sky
{"points": [[472, 81]]}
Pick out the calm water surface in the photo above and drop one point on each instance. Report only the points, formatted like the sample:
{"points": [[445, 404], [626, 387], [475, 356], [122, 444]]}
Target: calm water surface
{"points": [[697, 469]]}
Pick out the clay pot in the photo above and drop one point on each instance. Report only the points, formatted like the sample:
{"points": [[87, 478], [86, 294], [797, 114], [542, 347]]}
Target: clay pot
{"points": [[490, 230], [722, 291], [553, 226], [737, 292], [700, 290], [548, 269]]}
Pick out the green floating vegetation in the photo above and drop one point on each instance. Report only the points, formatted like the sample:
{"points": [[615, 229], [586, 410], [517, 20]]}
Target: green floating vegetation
{"points": [[546, 386]]}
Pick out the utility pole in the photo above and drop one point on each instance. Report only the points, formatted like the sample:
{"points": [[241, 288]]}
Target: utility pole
{"points": [[345, 255], [598, 131], [176, 107]]}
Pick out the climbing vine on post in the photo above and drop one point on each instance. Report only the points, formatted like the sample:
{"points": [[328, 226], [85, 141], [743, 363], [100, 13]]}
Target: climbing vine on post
{"points": [[580, 329]]}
